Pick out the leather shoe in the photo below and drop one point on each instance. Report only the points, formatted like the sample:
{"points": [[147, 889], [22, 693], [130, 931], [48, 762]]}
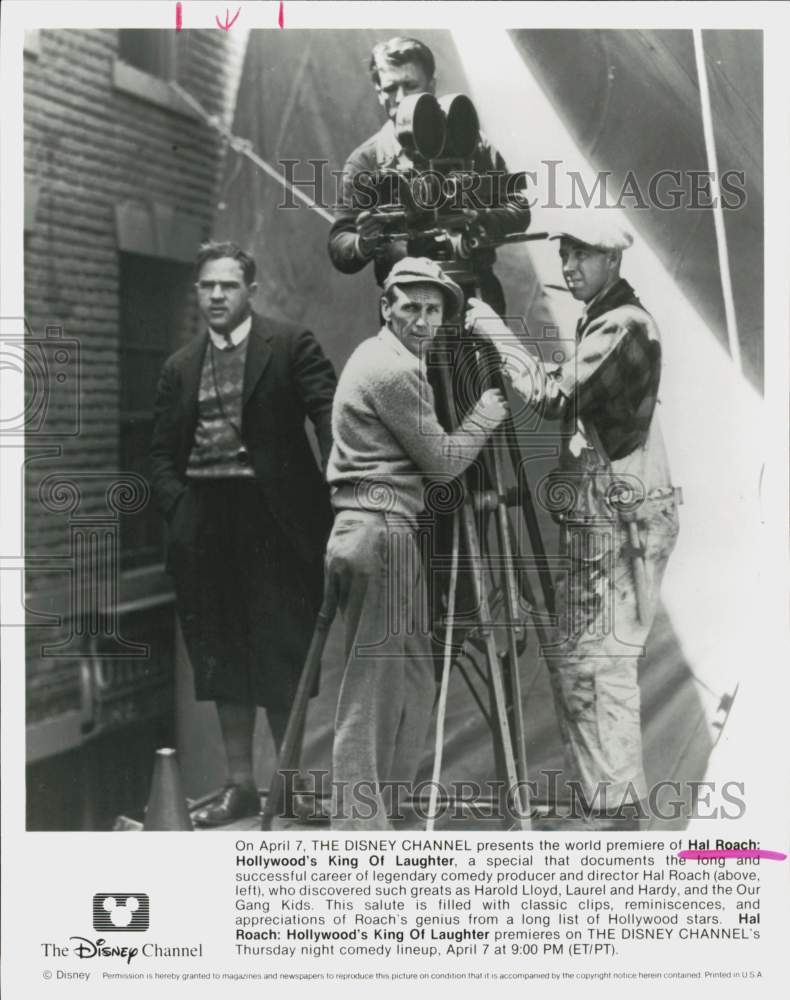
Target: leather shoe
{"points": [[235, 802], [307, 807], [307, 804]]}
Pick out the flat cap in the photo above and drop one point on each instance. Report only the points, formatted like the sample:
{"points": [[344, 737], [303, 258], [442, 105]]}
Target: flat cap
{"points": [[424, 271], [594, 228]]}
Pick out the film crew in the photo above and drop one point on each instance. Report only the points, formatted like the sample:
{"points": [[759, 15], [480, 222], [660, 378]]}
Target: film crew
{"points": [[620, 522], [401, 67], [247, 509], [387, 439]]}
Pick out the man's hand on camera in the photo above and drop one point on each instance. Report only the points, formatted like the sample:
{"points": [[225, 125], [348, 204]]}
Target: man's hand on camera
{"points": [[471, 232], [491, 409], [483, 321], [538, 389], [369, 232]]}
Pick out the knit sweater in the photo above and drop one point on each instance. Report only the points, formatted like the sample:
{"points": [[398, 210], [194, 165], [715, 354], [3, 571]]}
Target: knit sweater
{"points": [[387, 437], [218, 439]]}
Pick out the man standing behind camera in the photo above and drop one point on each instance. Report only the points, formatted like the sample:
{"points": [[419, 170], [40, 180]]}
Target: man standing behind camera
{"points": [[387, 439], [621, 527], [400, 67], [247, 510]]}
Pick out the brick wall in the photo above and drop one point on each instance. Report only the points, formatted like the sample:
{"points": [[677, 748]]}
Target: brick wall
{"points": [[89, 146]]}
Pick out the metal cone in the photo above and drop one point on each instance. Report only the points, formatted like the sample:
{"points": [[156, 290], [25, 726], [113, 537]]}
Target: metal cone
{"points": [[167, 804]]}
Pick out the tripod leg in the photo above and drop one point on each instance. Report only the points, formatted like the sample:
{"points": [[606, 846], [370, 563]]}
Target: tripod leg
{"points": [[292, 741], [441, 710], [490, 359], [513, 626], [533, 529], [494, 667], [513, 611], [509, 660]]}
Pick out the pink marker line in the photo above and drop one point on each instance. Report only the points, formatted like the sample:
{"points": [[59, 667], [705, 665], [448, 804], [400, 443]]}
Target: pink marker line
{"points": [[179, 22], [281, 15], [704, 855], [229, 22]]}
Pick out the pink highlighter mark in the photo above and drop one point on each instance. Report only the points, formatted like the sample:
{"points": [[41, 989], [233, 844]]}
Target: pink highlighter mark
{"points": [[229, 22], [178, 17], [281, 15], [705, 855]]}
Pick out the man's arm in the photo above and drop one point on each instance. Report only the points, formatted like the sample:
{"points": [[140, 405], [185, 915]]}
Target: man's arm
{"points": [[166, 484], [511, 218], [618, 354], [534, 381], [351, 247], [404, 403], [343, 245], [315, 382], [617, 357]]}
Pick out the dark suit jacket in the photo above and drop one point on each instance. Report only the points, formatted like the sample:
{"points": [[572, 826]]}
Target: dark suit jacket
{"points": [[287, 377]]}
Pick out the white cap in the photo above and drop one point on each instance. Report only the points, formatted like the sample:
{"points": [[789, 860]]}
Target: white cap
{"points": [[594, 228]]}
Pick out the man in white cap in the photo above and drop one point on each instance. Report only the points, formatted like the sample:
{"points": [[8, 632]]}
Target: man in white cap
{"points": [[620, 523], [387, 440]]}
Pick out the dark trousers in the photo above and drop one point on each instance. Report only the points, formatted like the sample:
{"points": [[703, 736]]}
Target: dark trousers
{"points": [[247, 603]]}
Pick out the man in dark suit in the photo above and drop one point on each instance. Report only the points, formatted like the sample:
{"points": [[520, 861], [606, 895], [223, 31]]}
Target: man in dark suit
{"points": [[247, 509]]}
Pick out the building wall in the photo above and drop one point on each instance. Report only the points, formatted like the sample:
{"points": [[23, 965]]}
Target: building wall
{"points": [[117, 169]]}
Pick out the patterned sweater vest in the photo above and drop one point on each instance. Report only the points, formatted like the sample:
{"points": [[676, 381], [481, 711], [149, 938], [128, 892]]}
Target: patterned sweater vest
{"points": [[215, 453]]}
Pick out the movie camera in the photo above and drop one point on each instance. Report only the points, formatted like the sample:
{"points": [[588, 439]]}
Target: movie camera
{"points": [[440, 203]]}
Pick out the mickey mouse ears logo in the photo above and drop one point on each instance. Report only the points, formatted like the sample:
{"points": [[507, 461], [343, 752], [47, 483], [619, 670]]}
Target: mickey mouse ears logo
{"points": [[120, 911]]}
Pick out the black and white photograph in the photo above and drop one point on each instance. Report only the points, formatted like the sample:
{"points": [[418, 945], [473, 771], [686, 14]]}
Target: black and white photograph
{"points": [[395, 445]]}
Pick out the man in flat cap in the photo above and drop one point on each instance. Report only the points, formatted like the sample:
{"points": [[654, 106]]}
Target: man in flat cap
{"points": [[386, 441], [619, 525]]}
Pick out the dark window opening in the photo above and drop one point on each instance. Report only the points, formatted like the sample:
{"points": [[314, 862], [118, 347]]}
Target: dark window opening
{"points": [[151, 50], [156, 315]]}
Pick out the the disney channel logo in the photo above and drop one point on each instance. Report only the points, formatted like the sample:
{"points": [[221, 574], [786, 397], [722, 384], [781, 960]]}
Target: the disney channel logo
{"points": [[82, 947], [119, 911]]}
